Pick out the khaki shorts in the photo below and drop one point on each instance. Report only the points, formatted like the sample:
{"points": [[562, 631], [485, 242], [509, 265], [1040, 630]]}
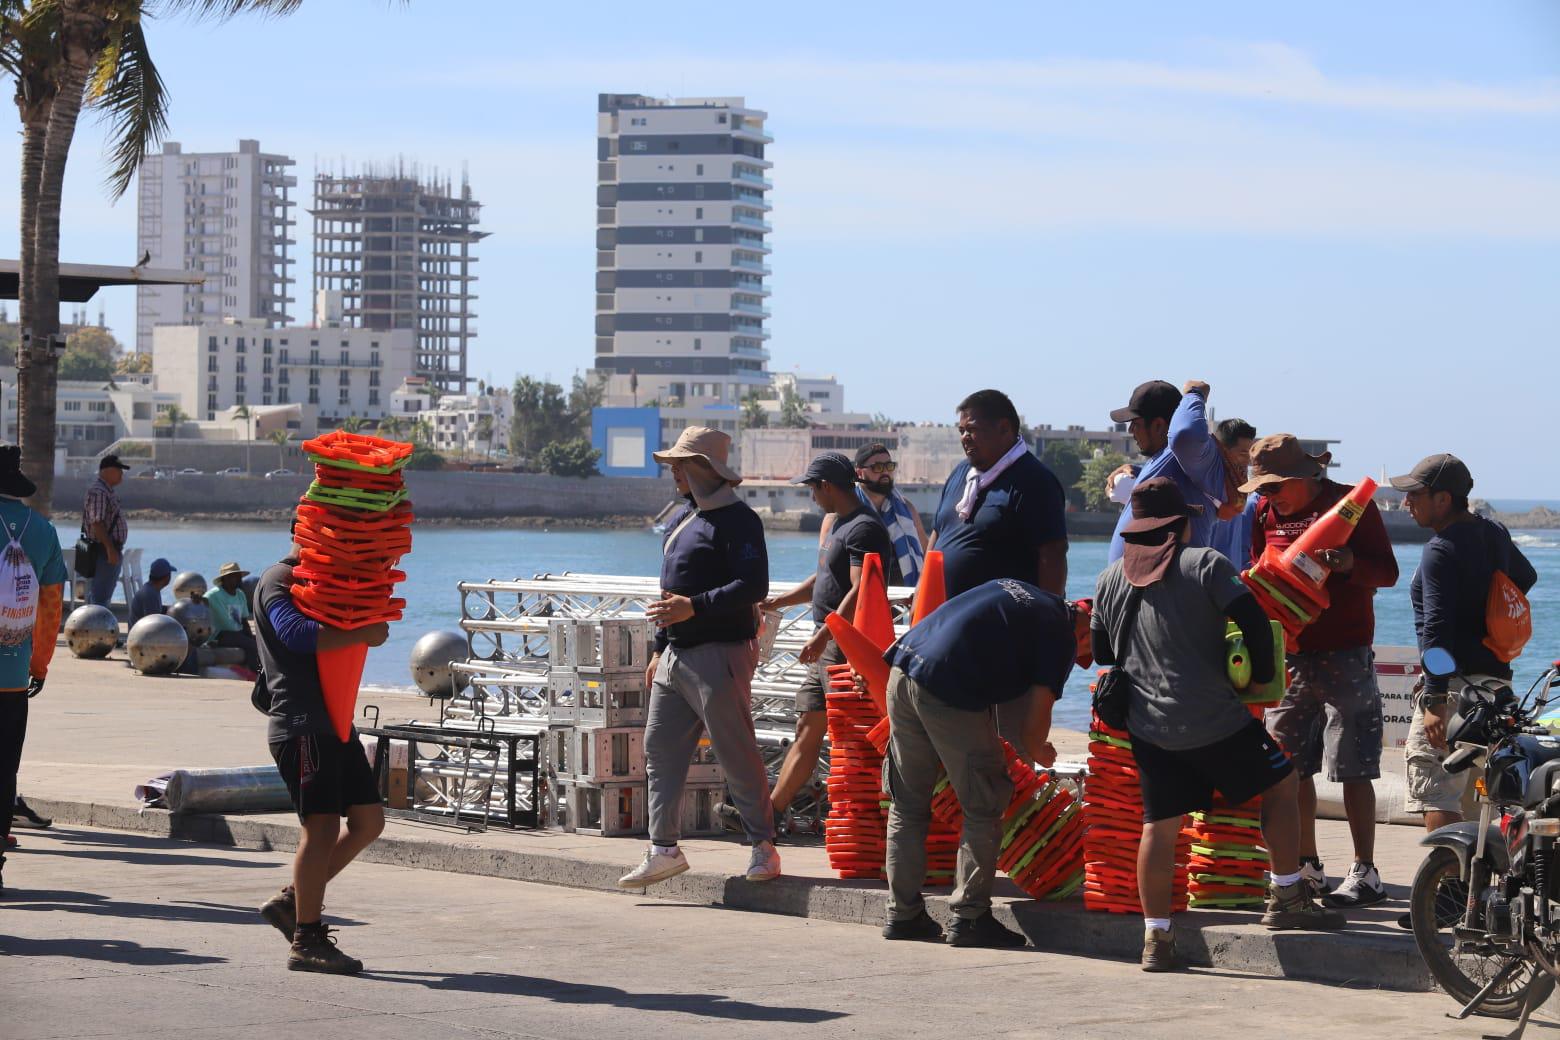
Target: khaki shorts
{"points": [[1431, 788]]}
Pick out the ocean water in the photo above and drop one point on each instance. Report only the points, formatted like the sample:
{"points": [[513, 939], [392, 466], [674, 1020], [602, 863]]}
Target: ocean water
{"points": [[442, 556]]}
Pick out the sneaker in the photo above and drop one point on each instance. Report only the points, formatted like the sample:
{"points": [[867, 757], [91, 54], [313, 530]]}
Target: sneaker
{"points": [[985, 932], [281, 912], [1315, 875], [1159, 952], [764, 864], [1362, 887], [314, 949], [657, 866], [920, 928], [22, 815], [1294, 907]]}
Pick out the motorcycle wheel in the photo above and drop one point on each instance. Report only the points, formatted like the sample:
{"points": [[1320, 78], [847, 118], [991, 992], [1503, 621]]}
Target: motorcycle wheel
{"points": [[1436, 905]]}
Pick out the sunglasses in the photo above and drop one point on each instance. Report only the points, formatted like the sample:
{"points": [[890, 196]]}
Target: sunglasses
{"points": [[882, 467]]}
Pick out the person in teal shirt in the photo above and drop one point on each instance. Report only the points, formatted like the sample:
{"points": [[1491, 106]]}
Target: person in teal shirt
{"points": [[231, 614], [24, 659]]}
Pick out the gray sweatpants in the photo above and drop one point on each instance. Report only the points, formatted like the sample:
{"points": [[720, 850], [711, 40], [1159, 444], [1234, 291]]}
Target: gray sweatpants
{"points": [[927, 736], [706, 687]]}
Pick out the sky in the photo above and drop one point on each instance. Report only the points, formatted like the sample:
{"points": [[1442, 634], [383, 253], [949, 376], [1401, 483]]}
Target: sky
{"points": [[1344, 217]]}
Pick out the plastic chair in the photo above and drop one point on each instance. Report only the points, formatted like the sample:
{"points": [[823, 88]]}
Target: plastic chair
{"points": [[130, 574], [74, 596]]}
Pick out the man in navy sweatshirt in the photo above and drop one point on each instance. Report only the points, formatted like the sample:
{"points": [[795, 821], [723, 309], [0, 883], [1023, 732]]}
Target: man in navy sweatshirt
{"points": [[714, 574]]}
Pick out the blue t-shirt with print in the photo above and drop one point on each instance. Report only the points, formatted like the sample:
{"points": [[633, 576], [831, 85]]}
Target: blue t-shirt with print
{"points": [[42, 546]]}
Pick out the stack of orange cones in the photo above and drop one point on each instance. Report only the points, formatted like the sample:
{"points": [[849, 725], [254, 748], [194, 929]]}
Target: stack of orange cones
{"points": [[855, 834], [1113, 827], [354, 525], [1290, 585], [1228, 864], [1042, 847]]}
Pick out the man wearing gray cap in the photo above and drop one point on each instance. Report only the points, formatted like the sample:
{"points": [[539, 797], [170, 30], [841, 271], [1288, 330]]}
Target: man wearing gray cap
{"points": [[148, 598], [1450, 591], [714, 574], [856, 532]]}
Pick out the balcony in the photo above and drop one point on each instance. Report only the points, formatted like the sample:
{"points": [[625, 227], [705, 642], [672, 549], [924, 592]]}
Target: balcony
{"points": [[751, 133], [755, 309], [752, 177], [752, 245], [744, 264], [756, 353], [750, 220]]}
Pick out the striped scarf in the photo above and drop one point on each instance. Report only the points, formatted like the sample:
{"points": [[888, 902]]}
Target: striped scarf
{"points": [[897, 517]]}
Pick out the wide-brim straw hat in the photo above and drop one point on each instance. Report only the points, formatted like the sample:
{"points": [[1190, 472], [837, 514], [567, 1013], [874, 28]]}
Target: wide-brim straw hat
{"points": [[701, 442], [231, 568]]}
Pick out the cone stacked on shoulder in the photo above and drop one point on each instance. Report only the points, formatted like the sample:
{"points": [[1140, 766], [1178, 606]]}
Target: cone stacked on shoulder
{"points": [[354, 525]]}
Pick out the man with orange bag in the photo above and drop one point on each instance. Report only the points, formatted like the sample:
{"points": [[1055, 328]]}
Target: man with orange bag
{"points": [[327, 778], [1451, 592], [1331, 714]]}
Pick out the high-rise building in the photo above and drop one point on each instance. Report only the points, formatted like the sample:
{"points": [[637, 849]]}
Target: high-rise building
{"points": [[226, 214], [681, 216], [397, 248]]}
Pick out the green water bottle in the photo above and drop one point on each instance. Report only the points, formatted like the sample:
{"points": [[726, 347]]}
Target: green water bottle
{"points": [[1237, 664]]}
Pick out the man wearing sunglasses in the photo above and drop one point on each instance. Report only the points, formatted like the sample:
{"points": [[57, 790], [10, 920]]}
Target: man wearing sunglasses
{"points": [[875, 488]]}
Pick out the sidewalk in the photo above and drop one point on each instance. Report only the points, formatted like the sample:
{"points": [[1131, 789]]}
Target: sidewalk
{"points": [[98, 729]]}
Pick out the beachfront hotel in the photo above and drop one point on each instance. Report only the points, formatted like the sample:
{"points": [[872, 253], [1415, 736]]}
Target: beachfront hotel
{"points": [[224, 214], [681, 255]]}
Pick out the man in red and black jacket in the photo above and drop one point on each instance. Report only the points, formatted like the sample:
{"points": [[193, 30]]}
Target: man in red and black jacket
{"points": [[1331, 714]]}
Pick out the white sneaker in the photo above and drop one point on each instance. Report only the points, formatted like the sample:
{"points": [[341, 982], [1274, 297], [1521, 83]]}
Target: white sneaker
{"points": [[657, 866], [1362, 887], [764, 864], [1315, 875]]}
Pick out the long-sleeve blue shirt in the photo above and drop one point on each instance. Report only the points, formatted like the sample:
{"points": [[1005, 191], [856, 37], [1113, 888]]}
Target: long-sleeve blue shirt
{"points": [[1191, 459], [718, 560], [1451, 587]]}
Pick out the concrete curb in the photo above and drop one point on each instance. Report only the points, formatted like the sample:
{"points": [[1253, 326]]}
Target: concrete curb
{"points": [[1225, 941]]}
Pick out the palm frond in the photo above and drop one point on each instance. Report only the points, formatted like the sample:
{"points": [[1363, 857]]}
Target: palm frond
{"points": [[129, 92], [221, 10]]}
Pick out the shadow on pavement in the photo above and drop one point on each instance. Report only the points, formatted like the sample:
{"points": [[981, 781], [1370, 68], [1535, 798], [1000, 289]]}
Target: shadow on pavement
{"points": [[66, 901], [131, 848], [706, 1005], [114, 951]]}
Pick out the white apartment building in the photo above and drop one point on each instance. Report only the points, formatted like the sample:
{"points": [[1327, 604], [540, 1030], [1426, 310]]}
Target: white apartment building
{"points": [[471, 424], [681, 256], [90, 415], [343, 372], [225, 214]]}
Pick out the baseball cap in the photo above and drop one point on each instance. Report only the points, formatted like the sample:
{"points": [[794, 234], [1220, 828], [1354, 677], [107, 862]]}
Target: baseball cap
{"points": [[160, 568], [832, 467], [111, 462], [865, 453], [1155, 399], [1443, 472]]}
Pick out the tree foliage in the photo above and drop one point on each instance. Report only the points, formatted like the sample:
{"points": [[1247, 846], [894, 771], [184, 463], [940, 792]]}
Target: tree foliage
{"points": [[91, 354], [1092, 482], [545, 415], [573, 458], [793, 410], [754, 415], [1066, 460]]}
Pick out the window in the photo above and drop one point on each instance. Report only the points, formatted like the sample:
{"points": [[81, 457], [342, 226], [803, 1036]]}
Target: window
{"points": [[266, 349], [314, 357], [345, 378], [346, 357], [698, 214], [211, 364], [373, 378], [211, 406], [344, 396], [265, 399], [373, 398], [266, 388], [698, 256], [211, 343], [638, 146], [314, 395], [239, 345], [698, 344], [211, 382], [240, 365], [239, 387], [281, 394], [720, 117], [265, 366], [699, 171], [282, 357], [282, 379], [373, 359], [314, 377]]}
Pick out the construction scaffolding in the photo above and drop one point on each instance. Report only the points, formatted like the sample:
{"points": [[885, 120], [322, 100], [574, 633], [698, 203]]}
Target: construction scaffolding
{"points": [[397, 247]]}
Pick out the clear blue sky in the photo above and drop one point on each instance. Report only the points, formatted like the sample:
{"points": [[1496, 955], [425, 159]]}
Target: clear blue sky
{"points": [[1344, 216]]}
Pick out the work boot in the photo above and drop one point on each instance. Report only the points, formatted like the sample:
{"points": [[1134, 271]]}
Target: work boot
{"points": [[1312, 871], [22, 815], [281, 912], [314, 949], [1159, 952], [985, 932], [1292, 906], [1362, 887], [764, 863], [920, 928], [656, 866]]}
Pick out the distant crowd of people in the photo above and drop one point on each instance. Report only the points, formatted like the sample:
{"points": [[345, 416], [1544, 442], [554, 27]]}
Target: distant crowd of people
{"points": [[987, 666]]}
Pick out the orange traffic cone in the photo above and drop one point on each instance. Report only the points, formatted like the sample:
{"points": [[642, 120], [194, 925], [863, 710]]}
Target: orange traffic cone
{"points": [[932, 590], [1332, 530], [341, 672], [864, 657], [874, 618]]}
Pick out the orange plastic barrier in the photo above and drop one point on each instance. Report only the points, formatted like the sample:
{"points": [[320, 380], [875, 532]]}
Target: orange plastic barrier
{"points": [[1113, 827]]}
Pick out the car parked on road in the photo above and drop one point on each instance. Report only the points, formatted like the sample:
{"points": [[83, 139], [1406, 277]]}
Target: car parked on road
{"points": [[191, 471], [277, 474], [231, 471]]}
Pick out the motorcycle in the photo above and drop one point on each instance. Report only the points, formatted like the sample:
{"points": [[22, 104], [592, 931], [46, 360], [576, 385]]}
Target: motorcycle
{"points": [[1485, 903]]}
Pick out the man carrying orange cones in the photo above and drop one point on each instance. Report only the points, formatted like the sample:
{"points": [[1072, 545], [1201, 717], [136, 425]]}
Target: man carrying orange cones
{"points": [[1331, 714]]}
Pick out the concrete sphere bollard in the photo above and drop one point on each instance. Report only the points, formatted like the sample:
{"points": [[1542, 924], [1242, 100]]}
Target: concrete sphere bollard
{"points": [[157, 645], [91, 631], [188, 583], [195, 618], [431, 659]]}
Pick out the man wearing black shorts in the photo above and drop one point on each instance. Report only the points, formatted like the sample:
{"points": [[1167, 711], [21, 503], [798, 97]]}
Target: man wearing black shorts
{"points": [[327, 778], [1159, 613]]}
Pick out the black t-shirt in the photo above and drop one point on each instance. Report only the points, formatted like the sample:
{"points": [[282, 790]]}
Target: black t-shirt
{"points": [[849, 541], [990, 645], [1452, 586], [293, 678], [1023, 509]]}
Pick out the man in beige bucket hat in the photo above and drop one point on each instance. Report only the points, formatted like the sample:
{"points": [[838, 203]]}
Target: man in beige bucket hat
{"points": [[714, 574], [231, 614], [1330, 718]]}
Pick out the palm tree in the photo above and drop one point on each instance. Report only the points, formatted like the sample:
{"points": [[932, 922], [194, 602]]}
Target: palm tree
{"points": [[280, 438], [422, 433], [485, 432], [174, 417], [66, 54], [391, 428], [352, 424], [242, 412]]}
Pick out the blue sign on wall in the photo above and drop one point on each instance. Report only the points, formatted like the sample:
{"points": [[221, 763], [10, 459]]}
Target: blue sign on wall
{"points": [[626, 438]]}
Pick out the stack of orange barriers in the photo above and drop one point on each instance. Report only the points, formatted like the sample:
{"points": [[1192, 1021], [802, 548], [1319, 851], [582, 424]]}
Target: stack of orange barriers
{"points": [[1228, 865], [1113, 827], [354, 525]]}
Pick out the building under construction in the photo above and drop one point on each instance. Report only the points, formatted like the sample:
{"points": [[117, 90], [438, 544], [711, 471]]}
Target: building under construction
{"points": [[397, 248]]}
